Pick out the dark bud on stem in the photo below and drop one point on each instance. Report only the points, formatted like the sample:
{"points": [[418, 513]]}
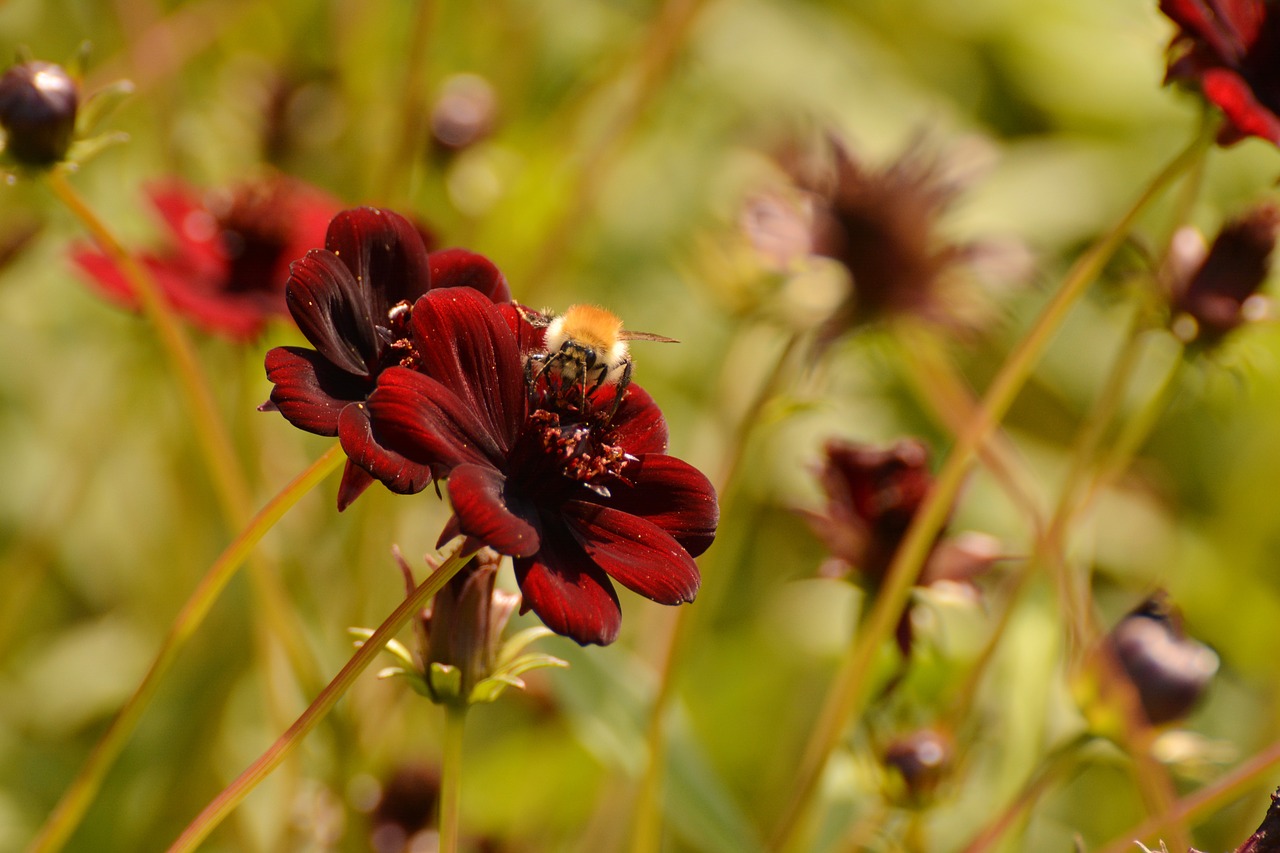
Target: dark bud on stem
{"points": [[38, 102], [1169, 670], [918, 762]]}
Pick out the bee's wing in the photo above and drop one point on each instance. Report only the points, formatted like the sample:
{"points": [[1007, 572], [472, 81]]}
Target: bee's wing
{"points": [[628, 335]]}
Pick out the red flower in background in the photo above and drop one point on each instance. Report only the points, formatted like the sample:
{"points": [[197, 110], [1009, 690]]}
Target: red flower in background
{"points": [[1230, 50], [229, 253], [352, 300], [577, 497]]}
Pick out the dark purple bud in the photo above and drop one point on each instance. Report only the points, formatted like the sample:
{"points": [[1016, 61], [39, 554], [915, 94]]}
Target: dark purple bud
{"points": [[1169, 670], [920, 760], [38, 102]]}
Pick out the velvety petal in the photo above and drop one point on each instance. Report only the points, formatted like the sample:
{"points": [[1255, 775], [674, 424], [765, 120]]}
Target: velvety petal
{"points": [[1246, 115], [309, 391], [466, 344], [460, 268], [384, 252], [332, 311], [480, 504], [673, 495], [354, 482], [397, 473], [636, 553], [638, 425], [415, 415], [570, 594]]}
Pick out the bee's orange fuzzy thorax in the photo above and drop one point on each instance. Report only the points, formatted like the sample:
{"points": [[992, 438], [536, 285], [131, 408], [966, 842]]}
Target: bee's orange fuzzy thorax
{"points": [[592, 325]]}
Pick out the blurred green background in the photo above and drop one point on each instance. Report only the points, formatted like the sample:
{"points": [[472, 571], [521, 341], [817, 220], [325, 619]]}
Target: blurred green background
{"points": [[626, 136]]}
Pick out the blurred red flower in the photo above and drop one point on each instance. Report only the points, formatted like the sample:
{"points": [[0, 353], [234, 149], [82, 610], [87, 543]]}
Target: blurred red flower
{"points": [[576, 493], [352, 300], [229, 253], [1230, 50], [1212, 294]]}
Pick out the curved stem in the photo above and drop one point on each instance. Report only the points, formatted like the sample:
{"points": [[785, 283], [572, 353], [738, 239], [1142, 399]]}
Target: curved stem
{"points": [[76, 799], [646, 826], [455, 717], [1254, 773], [223, 804], [851, 681], [1056, 764]]}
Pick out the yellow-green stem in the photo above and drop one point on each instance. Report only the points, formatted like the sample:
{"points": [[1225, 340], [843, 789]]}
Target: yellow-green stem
{"points": [[232, 490], [396, 185], [1255, 773], [455, 718], [76, 799], [231, 796], [851, 680]]}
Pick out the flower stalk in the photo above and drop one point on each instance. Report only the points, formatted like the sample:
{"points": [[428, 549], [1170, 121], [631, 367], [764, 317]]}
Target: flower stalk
{"points": [[455, 717], [231, 796], [850, 684], [82, 790]]}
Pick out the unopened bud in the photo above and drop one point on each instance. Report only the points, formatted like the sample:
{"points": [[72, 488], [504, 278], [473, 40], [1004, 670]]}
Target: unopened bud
{"points": [[1169, 670], [38, 102]]}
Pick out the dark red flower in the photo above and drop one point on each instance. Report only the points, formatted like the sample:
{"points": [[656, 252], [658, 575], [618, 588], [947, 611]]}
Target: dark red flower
{"points": [[576, 493], [1230, 49], [229, 252], [353, 301], [1211, 298], [872, 495]]}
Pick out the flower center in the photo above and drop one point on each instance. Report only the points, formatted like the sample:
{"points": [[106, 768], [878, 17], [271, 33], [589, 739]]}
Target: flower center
{"points": [[578, 451]]}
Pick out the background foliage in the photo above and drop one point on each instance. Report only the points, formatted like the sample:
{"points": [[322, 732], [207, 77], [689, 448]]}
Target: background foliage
{"points": [[628, 134]]}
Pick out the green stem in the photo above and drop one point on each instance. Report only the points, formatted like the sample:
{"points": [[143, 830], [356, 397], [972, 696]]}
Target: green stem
{"points": [[455, 717], [1054, 765], [1253, 774], [231, 796], [396, 186], [646, 825], [230, 487], [851, 681], [76, 799]]}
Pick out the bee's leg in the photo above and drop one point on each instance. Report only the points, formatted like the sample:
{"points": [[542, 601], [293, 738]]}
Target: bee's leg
{"points": [[531, 379], [623, 381]]}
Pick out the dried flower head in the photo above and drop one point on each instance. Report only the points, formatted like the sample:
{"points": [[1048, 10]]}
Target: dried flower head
{"points": [[1230, 50], [226, 259], [883, 227], [919, 762], [38, 104]]}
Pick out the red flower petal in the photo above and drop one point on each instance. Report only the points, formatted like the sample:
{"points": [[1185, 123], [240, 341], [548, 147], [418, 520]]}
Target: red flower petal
{"points": [[466, 344], [397, 473], [332, 310], [675, 496], [385, 254], [1235, 97], [638, 425], [460, 268], [417, 416], [480, 506], [636, 553], [194, 228], [354, 482], [570, 594], [106, 276], [309, 391]]}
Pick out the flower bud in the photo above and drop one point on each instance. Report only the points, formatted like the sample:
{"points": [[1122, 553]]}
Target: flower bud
{"points": [[38, 102], [919, 761], [1169, 670], [1217, 296]]}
